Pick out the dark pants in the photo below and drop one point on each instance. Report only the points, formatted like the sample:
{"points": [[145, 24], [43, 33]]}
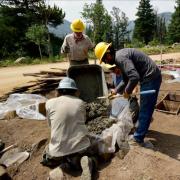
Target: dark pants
{"points": [[147, 106], [74, 62], [72, 159]]}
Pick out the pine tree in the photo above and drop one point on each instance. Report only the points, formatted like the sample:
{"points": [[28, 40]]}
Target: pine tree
{"points": [[160, 30], [174, 27], [145, 23]]}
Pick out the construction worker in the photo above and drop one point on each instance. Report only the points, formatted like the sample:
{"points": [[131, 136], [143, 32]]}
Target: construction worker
{"points": [[115, 74], [135, 67], [77, 44], [69, 141]]}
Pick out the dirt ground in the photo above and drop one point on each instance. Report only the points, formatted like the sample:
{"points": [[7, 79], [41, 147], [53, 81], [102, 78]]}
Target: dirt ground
{"points": [[139, 164]]}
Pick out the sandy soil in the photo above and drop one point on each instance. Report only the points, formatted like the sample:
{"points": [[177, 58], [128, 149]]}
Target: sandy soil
{"points": [[139, 164]]}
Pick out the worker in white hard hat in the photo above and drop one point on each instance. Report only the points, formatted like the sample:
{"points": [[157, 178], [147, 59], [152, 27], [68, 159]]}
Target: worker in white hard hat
{"points": [[69, 140], [115, 74], [136, 67], [77, 44]]}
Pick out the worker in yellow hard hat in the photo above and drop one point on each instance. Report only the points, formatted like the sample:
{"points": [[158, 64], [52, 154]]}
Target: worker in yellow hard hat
{"points": [[136, 67], [77, 44]]}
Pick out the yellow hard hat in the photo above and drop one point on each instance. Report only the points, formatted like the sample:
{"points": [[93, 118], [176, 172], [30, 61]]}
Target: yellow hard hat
{"points": [[101, 49], [77, 26]]}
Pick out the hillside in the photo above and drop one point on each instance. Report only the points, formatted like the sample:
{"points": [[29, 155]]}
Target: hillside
{"points": [[61, 30], [64, 29]]}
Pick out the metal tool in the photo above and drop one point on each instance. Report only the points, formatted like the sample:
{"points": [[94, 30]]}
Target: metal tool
{"points": [[111, 96]]}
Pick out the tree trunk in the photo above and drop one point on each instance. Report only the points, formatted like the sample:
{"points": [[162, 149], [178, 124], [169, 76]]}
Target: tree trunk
{"points": [[50, 52], [40, 51]]}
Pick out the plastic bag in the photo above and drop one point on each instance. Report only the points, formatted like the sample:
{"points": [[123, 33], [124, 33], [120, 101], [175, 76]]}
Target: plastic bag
{"points": [[117, 133], [118, 104], [25, 105]]}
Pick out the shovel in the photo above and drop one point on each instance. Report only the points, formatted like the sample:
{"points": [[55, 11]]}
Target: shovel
{"points": [[111, 96]]}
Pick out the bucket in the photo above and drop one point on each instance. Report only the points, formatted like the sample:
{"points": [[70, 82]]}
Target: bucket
{"points": [[90, 81]]}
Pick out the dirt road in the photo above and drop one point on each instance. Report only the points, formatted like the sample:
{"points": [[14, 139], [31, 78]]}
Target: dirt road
{"points": [[13, 76]]}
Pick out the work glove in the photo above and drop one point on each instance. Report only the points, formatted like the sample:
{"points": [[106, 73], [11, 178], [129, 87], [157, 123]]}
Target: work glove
{"points": [[126, 95]]}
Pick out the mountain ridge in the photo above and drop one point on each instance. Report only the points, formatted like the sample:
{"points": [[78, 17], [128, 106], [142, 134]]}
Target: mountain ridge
{"points": [[63, 29]]}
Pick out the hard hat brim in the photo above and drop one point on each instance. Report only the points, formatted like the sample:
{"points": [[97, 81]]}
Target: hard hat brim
{"points": [[108, 66], [100, 60], [66, 88]]}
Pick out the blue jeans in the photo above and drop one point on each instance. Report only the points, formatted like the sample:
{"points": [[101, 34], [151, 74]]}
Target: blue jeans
{"points": [[147, 105]]}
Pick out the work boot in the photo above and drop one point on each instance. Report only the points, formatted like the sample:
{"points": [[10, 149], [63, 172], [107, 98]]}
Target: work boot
{"points": [[49, 162], [86, 165], [147, 144], [132, 141]]}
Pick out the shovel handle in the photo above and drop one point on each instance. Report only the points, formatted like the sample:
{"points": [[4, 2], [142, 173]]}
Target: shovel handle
{"points": [[111, 96], [147, 92]]}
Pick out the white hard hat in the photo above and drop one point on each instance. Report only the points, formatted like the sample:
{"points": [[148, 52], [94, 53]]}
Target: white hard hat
{"points": [[67, 83]]}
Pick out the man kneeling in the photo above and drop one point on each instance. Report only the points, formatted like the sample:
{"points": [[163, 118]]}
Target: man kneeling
{"points": [[69, 142]]}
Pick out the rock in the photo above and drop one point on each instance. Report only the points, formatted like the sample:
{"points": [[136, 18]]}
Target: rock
{"points": [[56, 174], [19, 60], [14, 156]]}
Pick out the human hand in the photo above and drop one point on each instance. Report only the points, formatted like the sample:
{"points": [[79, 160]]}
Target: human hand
{"points": [[113, 92]]}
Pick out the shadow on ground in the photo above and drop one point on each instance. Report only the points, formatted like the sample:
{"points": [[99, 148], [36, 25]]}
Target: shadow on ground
{"points": [[168, 144]]}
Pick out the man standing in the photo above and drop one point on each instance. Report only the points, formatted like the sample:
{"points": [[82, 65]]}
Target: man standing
{"points": [[77, 44], [135, 67], [69, 136]]}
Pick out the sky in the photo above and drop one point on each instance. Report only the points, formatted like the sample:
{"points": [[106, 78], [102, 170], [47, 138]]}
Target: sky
{"points": [[72, 8]]}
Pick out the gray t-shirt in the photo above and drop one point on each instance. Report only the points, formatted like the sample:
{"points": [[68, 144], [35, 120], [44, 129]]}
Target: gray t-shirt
{"points": [[66, 117], [136, 67]]}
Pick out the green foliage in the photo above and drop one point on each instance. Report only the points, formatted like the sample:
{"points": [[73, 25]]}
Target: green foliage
{"points": [[174, 27], [154, 42], [30, 61], [120, 23], [37, 34], [145, 23], [99, 19], [151, 50], [135, 44], [160, 30], [16, 16]]}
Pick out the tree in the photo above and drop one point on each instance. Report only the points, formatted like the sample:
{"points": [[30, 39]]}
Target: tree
{"points": [[160, 30], [174, 26], [120, 23], [37, 34], [145, 23], [19, 15], [98, 18], [50, 16]]}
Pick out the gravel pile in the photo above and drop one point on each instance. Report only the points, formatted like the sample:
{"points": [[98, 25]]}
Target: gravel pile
{"points": [[97, 114], [99, 124], [96, 109]]}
